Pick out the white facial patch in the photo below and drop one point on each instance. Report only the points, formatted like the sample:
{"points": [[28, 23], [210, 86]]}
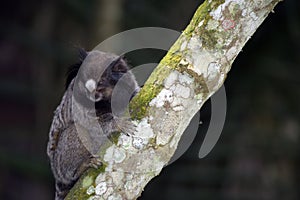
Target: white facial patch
{"points": [[90, 85]]}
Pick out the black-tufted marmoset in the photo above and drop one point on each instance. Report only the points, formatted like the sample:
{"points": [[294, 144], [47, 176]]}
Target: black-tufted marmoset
{"points": [[84, 119]]}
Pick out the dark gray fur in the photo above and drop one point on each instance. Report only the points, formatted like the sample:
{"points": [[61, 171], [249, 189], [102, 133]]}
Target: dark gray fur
{"points": [[70, 154]]}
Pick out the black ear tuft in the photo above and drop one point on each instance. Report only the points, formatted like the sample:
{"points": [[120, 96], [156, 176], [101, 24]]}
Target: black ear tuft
{"points": [[82, 54], [73, 69]]}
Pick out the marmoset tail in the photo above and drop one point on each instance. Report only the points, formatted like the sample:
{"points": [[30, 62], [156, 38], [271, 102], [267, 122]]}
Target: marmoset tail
{"points": [[84, 119]]}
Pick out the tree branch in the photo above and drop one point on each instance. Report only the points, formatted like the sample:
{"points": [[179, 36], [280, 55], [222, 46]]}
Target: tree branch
{"points": [[194, 69]]}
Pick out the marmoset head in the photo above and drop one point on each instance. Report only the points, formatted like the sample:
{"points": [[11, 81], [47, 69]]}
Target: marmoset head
{"points": [[97, 76], [100, 73]]}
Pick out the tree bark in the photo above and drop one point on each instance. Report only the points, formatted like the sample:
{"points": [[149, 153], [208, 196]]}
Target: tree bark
{"points": [[194, 69]]}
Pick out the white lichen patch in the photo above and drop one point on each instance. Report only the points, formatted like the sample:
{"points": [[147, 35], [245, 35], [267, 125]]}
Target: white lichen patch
{"points": [[125, 141], [101, 188], [244, 12], [195, 44], [182, 91], [100, 178], [171, 79], [144, 129], [185, 79], [90, 190], [253, 16], [199, 61], [251, 26], [129, 176], [108, 157], [179, 104], [119, 155], [179, 108], [95, 198], [117, 177], [114, 154], [163, 97], [213, 70], [115, 197], [129, 185], [214, 73], [217, 14], [138, 143], [108, 192]]}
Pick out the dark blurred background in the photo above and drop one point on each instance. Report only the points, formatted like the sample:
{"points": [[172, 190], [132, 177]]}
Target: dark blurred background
{"points": [[257, 156]]}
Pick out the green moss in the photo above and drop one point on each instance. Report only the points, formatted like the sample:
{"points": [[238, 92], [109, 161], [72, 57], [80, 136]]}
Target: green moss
{"points": [[87, 181], [114, 137], [200, 14], [208, 37], [234, 10], [79, 189], [171, 58], [140, 103]]}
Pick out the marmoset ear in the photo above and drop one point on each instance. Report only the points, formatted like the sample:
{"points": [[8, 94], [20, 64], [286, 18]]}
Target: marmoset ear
{"points": [[118, 68]]}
